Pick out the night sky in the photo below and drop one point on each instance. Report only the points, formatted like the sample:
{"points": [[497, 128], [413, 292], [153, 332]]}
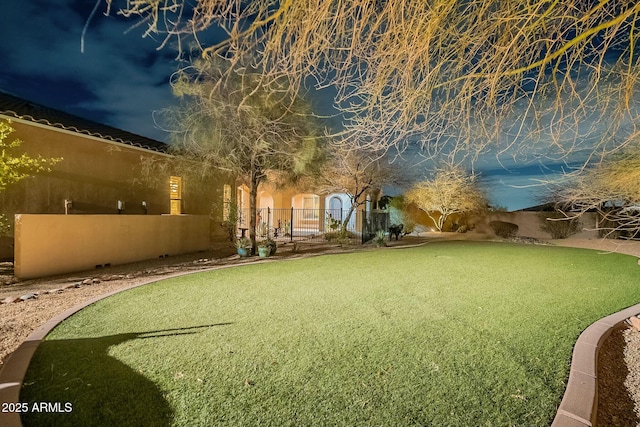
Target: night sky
{"points": [[121, 78]]}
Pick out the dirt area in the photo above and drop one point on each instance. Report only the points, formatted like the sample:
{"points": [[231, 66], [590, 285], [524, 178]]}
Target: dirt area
{"points": [[619, 363]]}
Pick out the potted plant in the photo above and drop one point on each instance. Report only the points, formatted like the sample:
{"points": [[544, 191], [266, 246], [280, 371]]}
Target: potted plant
{"points": [[264, 249], [272, 244], [244, 246]]}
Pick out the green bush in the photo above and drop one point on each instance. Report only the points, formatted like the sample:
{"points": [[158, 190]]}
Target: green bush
{"points": [[379, 240], [5, 226], [557, 225], [506, 230]]}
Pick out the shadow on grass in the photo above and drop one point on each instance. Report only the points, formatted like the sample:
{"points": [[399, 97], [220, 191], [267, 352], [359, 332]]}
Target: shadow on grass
{"points": [[75, 382]]}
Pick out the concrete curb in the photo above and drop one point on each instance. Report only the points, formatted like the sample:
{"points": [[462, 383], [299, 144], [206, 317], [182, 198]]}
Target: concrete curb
{"points": [[579, 404]]}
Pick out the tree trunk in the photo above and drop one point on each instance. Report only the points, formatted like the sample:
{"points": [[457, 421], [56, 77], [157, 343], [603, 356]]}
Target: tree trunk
{"points": [[343, 229], [441, 221], [253, 196], [436, 222]]}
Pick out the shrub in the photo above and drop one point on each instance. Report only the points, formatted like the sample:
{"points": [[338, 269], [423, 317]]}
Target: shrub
{"points": [[339, 236], [272, 244], [379, 239], [463, 228], [557, 225], [506, 230], [262, 229], [5, 226], [243, 243]]}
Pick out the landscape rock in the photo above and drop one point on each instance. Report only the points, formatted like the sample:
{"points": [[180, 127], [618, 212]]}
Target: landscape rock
{"points": [[96, 281], [87, 282], [29, 296], [9, 300], [635, 322]]}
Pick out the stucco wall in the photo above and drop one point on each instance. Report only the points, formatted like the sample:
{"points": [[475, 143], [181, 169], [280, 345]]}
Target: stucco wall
{"points": [[529, 224], [55, 244], [95, 173]]}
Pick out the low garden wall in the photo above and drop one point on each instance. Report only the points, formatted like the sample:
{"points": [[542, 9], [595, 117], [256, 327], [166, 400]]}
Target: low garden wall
{"points": [[529, 224], [55, 244]]}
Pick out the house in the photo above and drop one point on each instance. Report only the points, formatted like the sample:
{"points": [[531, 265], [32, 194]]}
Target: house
{"points": [[300, 213], [100, 183]]}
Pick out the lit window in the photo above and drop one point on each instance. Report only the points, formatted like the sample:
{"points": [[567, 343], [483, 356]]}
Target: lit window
{"points": [[226, 200], [310, 206], [175, 195]]}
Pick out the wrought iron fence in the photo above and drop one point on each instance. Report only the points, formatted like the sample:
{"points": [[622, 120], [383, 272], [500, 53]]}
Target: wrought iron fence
{"points": [[372, 222], [308, 224]]}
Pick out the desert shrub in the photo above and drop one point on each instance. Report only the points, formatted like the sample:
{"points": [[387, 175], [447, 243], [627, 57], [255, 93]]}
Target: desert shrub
{"points": [[341, 236], [272, 244], [399, 214], [262, 229], [557, 225], [379, 240], [5, 226], [463, 228], [506, 230]]}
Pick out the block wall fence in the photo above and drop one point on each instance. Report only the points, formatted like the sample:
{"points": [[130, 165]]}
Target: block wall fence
{"points": [[47, 245]]}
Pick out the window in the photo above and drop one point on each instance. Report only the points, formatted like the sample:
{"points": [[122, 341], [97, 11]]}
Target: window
{"points": [[310, 207], [175, 195], [226, 203]]}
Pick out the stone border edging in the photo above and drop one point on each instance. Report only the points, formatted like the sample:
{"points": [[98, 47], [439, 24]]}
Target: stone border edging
{"points": [[579, 404]]}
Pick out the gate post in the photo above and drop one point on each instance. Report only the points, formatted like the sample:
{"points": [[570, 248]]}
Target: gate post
{"points": [[291, 233]]}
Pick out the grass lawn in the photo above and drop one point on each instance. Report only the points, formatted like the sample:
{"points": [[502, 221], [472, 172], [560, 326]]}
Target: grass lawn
{"points": [[451, 333]]}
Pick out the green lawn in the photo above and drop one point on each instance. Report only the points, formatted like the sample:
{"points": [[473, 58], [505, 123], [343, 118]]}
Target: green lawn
{"points": [[451, 333]]}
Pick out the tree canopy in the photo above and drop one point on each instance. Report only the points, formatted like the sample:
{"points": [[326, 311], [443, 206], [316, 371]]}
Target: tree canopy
{"points": [[550, 78], [15, 166], [230, 121], [611, 189], [451, 190], [357, 174]]}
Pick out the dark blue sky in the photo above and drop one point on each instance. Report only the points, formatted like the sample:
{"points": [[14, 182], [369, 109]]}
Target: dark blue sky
{"points": [[121, 78]]}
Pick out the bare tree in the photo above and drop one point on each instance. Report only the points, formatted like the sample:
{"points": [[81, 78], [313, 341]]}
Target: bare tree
{"points": [[611, 189], [523, 77], [230, 121], [450, 191], [357, 174]]}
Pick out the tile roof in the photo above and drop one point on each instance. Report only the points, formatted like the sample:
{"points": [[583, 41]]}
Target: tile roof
{"points": [[26, 110]]}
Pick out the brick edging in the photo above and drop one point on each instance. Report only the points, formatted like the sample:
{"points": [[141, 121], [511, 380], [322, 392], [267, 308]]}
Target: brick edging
{"points": [[579, 404]]}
